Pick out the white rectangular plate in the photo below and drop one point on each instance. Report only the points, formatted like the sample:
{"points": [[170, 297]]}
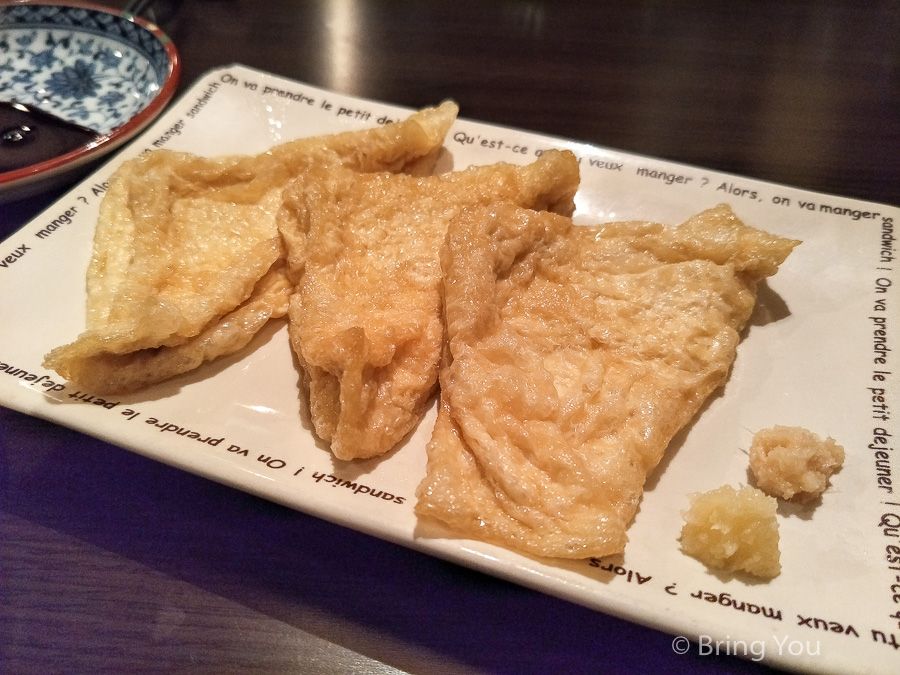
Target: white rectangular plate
{"points": [[820, 353]]}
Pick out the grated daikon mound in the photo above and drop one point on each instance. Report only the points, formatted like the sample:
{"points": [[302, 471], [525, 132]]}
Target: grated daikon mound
{"points": [[733, 530], [793, 463]]}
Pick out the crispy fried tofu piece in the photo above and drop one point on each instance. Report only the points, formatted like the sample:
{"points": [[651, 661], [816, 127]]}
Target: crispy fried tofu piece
{"points": [[365, 318], [185, 246], [573, 356]]}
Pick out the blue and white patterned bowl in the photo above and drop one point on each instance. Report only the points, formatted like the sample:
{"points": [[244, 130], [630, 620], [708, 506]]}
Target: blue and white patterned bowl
{"points": [[91, 66]]}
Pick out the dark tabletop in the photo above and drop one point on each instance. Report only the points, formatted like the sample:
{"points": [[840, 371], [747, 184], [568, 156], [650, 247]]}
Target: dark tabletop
{"points": [[118, 564]]}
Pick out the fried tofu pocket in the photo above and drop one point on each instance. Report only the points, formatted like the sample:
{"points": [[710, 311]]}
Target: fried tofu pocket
{"points": [[573, 355]]}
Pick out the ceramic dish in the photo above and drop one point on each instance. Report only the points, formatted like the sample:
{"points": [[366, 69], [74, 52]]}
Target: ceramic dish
{"points": [[76, 81], [810, 357]]}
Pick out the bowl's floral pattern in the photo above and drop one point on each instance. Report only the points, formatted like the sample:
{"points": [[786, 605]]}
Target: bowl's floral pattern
{"points": [[91, 68]]}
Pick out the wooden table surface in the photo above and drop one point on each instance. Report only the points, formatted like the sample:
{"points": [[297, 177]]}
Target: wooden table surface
{"points": [[118, 564]]}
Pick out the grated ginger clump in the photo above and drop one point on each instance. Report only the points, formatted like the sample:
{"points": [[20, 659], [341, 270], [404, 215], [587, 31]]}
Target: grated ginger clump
{"points": [[733, 530], [793, 463]]}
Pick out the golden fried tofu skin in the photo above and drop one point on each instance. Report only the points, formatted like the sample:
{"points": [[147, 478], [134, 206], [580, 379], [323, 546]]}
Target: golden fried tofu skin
{"points": [[573, 355], [188, 263], [365, 317]]}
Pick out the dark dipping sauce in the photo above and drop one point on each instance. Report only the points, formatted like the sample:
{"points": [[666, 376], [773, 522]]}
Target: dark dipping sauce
{"points": [[30, 136]]}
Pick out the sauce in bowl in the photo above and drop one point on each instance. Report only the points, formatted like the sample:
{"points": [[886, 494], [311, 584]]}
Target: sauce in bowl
{"points": [[29, 136]]}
